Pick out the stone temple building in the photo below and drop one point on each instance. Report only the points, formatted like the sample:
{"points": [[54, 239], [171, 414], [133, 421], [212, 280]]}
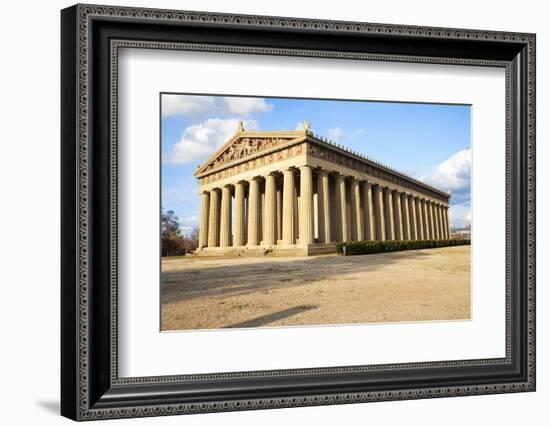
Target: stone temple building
{"points": [[295, 193]]}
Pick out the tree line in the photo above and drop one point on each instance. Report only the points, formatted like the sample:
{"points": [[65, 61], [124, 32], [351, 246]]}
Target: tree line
{"points": [[173, 242]]}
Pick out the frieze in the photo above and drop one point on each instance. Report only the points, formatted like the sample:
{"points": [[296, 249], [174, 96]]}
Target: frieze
{"points": [[254, 163], [349, 162], [244, 147]]}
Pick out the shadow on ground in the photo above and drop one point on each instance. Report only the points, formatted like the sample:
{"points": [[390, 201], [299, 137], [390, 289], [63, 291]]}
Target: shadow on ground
{"points": [[275, 316], [245, 278]]}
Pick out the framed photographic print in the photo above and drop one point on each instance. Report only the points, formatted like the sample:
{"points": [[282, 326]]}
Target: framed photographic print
{"points": [[263, 212]]}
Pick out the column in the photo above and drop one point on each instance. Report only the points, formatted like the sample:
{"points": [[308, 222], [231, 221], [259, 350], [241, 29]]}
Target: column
{"points": [[431, 219], [289, 195], [203, 225], [357, 211], [261, 211], [296, 214], [337, 227], [426, 226], [279, 218], [388, 207], [439, 221], [368, 211], [306, 205], [419, 219], [348, 211], [379, 213], [405, 216], [315, 214], [270, 215], [238, 219], [253, 212], [323, 199], [341, 208], [225, 217], [437, 224], [213, 219], [446, 222], [397, 215], [443, 230], [413, 226]]}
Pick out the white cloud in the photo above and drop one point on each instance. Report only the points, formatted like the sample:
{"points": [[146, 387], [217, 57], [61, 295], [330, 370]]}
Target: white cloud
{"points": [[199, 141], [246, 106], [460, 216], [188, 224], [453, 175], [197, 105], [337, 134], [186, 105]]}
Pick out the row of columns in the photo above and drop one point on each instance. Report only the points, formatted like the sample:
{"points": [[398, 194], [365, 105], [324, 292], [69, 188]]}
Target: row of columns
{"points": [[338, 209]]}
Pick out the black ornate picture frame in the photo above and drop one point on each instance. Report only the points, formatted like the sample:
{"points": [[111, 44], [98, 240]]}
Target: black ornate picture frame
{"points": [[91, 36]]}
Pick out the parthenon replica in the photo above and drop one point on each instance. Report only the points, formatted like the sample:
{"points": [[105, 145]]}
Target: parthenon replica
{"points": [[295, 193]]}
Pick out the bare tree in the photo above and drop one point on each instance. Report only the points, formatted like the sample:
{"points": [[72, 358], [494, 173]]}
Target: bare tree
{"points": [[191, 240], [172, 242]]}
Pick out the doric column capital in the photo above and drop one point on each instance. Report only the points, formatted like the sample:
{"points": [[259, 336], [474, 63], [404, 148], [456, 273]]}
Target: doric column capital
{"points": [[322, 172]]}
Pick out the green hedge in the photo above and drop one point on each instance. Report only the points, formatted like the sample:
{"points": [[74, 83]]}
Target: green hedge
{"points": [[369, 247]]}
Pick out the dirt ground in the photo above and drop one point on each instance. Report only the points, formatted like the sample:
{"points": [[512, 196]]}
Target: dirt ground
{"points": [[416, 285]]}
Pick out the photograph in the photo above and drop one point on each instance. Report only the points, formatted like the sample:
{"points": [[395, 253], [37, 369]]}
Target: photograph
{"points": [[284, 212]]}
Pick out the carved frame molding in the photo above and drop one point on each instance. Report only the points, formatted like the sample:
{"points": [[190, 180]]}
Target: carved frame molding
{"points": [[91, 388]]}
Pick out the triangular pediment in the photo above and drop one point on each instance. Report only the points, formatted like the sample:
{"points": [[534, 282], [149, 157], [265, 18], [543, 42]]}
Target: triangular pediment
{"points": [[245, 145]]}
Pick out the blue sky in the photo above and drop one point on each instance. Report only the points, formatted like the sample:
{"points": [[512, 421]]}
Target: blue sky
{"points": [[430, 142]]}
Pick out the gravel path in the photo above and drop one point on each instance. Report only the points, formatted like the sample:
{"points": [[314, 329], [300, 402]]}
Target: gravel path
{"points": [[418, 285]]}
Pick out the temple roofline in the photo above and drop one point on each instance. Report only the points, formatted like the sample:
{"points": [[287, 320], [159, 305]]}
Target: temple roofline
{"points": [[298, 136], [372, 162]]}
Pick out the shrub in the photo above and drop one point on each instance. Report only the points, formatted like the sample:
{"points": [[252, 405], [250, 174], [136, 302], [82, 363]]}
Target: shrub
{"points": [[375, 246]]}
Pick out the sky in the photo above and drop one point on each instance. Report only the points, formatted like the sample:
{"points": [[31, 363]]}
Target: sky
{"points": [[430, 142]]}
